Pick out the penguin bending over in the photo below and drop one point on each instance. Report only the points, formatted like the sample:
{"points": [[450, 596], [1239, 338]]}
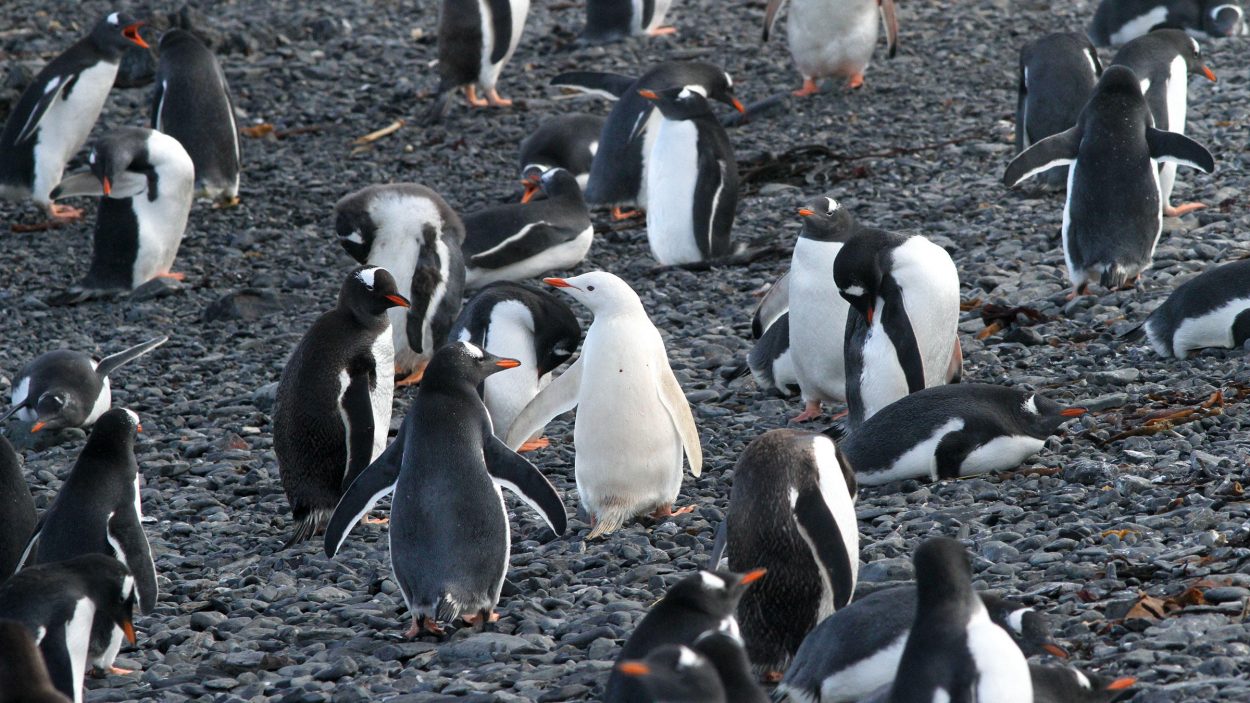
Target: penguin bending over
{"points": [[1209, 310], [833, 38], [17, 512], [562, 141], [1057, 74], [23, 675], [613, 20], [1118, 21], [476, 39]]}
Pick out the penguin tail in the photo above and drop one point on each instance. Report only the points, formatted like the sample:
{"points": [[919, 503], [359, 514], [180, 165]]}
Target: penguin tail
{"points": [[1136, 334], [308, 522], [1114, 276], [837, 431], [439, 107], [731, 375], [790, 694], [606, 522]]}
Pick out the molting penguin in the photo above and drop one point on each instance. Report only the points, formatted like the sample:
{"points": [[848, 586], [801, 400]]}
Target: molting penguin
{"points": [[792, 511], [697, 604], [192, 104], [617, 173], [23, 675], [633, 421], [1118, 21], [416, 236], [66, 388], [563, 141], [447, 461], [611, 20], [534, 327], [145, 182], [1163, 60], [17, 511], [1063, 684], [1209, 310], [63, 605], [1057, 74], [903, 334], [333, 408], [1113, 213], [518, 241], [953, 431], [676, 673], [54, 116], [475, 40], [833, 38], [692, 178]]}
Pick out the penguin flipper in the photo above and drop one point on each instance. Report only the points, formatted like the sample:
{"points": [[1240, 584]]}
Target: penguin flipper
{"points": [[890, 17], [773, 304], [1055, 150], [158, 102], [357, 407], [718, 546], [674, 401], [533, 240], [610, 86], [41, 107], [30, 544], [514, 472], [83, 184], [1179, 149], [111, 362], [60, 661], [374, 483], [770, 16], [501, 24], [823, 535], [9, 413], [130, 546], [560, 396], [902, 334]]}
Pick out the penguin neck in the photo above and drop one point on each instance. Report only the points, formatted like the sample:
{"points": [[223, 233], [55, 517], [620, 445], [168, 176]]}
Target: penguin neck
{"points": [[370, 321], [108, 448]]}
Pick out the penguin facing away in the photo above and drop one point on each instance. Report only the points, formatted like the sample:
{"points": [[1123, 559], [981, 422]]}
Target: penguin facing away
{"points": [[333, 408], [561, 141], [476, 39], [1063, 684], [633, 421], [725, 651], [192, 104], [676, 673], [1057, 74], [1113, 213], [23, 675], [17, 511], [1116, 22], [66, 388], [56, 112], [1209, 310], [613, 20], [447, 461], [833, 38], [412, 232]]}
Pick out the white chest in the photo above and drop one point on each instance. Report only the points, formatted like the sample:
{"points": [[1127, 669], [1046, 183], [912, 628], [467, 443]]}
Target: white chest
{"points": [[672, 173]]}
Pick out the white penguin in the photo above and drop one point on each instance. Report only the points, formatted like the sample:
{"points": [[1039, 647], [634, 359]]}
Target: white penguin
{"points": [[833, 38]]}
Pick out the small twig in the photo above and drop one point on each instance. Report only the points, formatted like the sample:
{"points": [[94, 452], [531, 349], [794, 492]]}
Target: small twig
{"points": [[379, 133]]}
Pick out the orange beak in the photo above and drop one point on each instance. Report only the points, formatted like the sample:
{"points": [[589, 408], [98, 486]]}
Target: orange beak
{"points": [[633, 668], [806, 213], [870, 311], [132, 33], [558, 283], [1055, 650], [752, 576], [129, 629], [648, 94], [138, 428], [1211, 77], [1073, 412], [1121, 683], [739, 106], [507, 363], [530, 189], [399, 300], [108, 187], [38, 426]]}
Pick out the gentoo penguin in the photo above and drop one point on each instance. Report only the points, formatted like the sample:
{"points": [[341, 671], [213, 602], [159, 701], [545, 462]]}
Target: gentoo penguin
{"points": [[1063, 684], [562, 141], [903, 334], [475, 39], [857, 650], [612, 20], [833, 38], [54, 116], [954, 651], [692, 178], [518, 241], [633, 422], [1118, 21], [770, 360], [192, 104], [817, 313], [532, 326], [616, 175], [333, 408], [63, 604], [23, 675], [792, 511], [1113, 213], [675, 673], [1209, 310], [1057, 75], [1163, 61], [17, 510], [412, 232], [446, 461], [697, 604], [773, 304], [725, 651], [66, 388], [952, 431], [145, 181]]}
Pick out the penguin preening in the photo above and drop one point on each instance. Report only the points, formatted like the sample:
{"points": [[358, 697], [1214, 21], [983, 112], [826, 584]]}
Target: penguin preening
{"points": [[17, 511], [66, 388], [612, 20], [412, 232], [633, 421], [561, 141], [1113, 213], [192, 104], [1118, 21], [333, 408], [833, 38], [449, 534], [1057, 74], [1209, 310], [476, 39], [23, 675], [54, 116]]}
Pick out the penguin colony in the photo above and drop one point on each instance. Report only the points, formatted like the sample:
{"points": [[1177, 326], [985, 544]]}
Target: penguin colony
{"points": [[458, 311]]}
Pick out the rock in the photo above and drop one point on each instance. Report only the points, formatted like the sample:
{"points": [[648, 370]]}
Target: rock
{"points": [[249, 305]]}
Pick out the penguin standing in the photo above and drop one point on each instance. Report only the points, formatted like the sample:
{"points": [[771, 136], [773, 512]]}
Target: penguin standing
{"points": [[1118, 21], [66, 388], [676, 673], [903, 334], [412, 232], [1209, 310], [333, 408], [54, 116], [534, 327], [449, 533], [476, 39], [1163, 61], [1113, 214], [697, 604], [518, 241], [612, 20], [23, 675], [1063, 684], [633, 422], [617, 172], [192, 104], [833, 38], [62, 605], [692, 178], [145, 182], [792, 511], [1057, 74], [17, 510], [562, 141]]}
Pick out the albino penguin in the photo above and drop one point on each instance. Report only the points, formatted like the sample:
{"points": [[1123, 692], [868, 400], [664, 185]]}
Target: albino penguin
{"points": [[833, 38]]}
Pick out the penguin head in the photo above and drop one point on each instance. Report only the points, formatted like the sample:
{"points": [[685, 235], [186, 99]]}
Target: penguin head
{"points": [[114, 433], [721, 88], [600, 291], [1025, 625], [675, 672], [463, 362], [827, 221], [1043, 416], [857, 272], [681, 103], [943, 574], [117, 157], [1117, 80], [1223, 19], [354, 224], [56, 409], [116, 32], [368, 292], [713, 592]]}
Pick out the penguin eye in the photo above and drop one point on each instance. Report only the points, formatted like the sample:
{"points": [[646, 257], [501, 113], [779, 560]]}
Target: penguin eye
{"points": [[590, 288]]}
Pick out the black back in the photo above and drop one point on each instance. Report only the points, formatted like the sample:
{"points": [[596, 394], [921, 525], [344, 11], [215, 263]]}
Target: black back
{"points": [[17, 511], [1150, 57], [1209, 291], [556, 329], [608, 20], [562, 141], [459, 44], [563, 210], [1194, 15], [732, 666], [1057, 76]]}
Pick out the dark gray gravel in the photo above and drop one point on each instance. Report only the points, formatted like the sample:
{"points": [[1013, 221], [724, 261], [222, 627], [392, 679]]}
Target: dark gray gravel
{"points": [[241, 621]]}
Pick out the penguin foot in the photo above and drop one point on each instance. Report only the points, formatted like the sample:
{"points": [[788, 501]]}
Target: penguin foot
{"points": [[662, 31], [1182, 209], [477, 619], [175, 275], [772, 677], [667, 511], [809, 88], [118, 671], [619, 214], [811, 411], [421, 625], [367, 520], [493, 98], [470, 93], [413, 378], [226, 203], [855, 81], [535, 444], [64, 213]]}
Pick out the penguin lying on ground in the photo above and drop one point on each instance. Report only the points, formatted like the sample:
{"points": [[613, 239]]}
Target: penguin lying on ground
{"points": [[1209, 310], [66, 388], [1063, 684], [54, 116], [833, 38], [612, 20], [17, 511], [1057, 74], [23, 675], [561, 141], [476, 39], [1118, 21]]}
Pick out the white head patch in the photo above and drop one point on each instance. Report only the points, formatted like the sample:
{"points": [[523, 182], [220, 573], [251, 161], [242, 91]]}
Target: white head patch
{"points": [[1197, 49], [354, 237], [1030, 404], [128, 586], [1015, 619], [134, 416], [855, 291], [1082, 679], [832, 206], [366, 276], [693, 87], [712, 581], [729, 81], [687, 658], [114, 18], [472, 350]]}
